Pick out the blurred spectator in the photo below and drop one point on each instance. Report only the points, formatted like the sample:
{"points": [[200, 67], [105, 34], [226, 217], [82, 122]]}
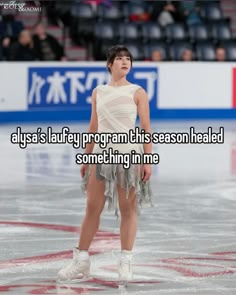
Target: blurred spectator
{"points": [[191, 12], [46, 46], [187, 55], [156, 55], [145, 16], [138, 11], [9, 27], [6, 43], [220, 54], [9, 31], [167, 12], [23, 49]]}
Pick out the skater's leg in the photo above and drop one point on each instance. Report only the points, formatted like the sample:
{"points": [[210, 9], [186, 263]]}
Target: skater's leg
{"points": [[95, 204], [128, 229], [128, 224], [80, 265]]}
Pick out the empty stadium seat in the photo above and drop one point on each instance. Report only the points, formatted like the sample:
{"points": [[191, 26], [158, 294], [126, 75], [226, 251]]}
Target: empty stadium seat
{"points": [[105, 31], [220, 31], [128, 32], [176, 50], [211, 11], [109, 13], [230, 49], [198, 32], [82, 10], [205, 51], [104, 38], [175, 31], [151, 32], [135, 50], [83, 21]]}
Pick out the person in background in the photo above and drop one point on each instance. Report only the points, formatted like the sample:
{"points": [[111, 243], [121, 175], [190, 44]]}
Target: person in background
{"points": [[46, 46], [166, 12], [23, 49], [220, 54], [187, 55], [9, 31], [156, 55], [141, 14], [191, 12], [9, 27], [6, 44]]}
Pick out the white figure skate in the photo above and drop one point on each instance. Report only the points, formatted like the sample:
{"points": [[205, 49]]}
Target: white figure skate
{"points": [[77, 270], [125, 268]]}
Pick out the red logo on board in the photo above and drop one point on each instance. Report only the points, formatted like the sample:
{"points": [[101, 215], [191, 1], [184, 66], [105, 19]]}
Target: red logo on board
{"points": [[234, 88]]}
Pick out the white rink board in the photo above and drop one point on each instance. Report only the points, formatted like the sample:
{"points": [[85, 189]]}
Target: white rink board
{"points": [[198, 85], [13, 90], [180, 85]]}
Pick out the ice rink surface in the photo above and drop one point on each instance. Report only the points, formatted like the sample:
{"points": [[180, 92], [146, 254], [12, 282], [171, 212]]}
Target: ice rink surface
{"points": [[186, 244]]}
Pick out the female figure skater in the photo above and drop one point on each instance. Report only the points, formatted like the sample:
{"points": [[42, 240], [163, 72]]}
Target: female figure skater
{"points": [[114, 109]]}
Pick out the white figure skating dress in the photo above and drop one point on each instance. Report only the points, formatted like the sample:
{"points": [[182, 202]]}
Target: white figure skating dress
{"points": [[117, 113]]}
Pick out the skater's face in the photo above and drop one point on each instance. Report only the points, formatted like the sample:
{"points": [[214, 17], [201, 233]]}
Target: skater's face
{"points": [[119, 60], [121, 65]]}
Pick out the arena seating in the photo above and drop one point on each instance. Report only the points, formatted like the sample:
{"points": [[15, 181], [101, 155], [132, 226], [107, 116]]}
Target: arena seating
{"points": [[131, 22]]}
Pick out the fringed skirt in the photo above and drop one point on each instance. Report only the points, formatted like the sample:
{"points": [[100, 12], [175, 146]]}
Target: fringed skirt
{"points": [[116, 174]]}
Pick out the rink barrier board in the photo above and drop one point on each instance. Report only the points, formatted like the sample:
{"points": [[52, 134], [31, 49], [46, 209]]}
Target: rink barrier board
{"points": [[175, 90]]}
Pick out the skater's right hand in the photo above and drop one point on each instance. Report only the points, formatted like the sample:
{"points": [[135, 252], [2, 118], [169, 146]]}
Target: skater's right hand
{"points": [[82, 170]]}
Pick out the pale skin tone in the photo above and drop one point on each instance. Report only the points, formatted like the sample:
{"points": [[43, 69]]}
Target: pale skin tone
{"points": [[156, 55], [187, 55], [220, 54], [95, 188]]}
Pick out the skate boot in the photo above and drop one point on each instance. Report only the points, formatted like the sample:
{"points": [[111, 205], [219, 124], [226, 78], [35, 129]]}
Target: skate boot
{"points": [[77, 269], [125, 267]]}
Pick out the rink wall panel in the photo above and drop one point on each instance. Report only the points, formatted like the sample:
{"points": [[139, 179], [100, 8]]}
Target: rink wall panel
{"points": [[59, 91]]}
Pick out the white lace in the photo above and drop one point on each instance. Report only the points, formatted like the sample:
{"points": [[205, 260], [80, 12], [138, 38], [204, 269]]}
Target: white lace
{"points": [[71, 269]]}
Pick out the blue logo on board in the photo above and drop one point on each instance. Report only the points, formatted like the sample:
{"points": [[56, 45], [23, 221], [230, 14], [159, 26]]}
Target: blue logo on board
{"points": [[67, 87]]}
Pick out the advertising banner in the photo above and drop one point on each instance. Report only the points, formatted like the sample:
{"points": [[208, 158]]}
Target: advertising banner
{"points": [[62, 90], [71, 87]]}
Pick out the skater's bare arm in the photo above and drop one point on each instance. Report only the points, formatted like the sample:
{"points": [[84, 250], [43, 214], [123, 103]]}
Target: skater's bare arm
{"points": [[93, 125], [142, 101]]}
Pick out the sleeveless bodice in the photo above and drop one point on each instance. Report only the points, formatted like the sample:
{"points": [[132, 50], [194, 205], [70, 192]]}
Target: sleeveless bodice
{"points": [[117, 112]]}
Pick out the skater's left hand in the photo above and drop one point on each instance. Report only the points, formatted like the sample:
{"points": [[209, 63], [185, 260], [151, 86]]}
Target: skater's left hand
{"points": [[146, 172]]}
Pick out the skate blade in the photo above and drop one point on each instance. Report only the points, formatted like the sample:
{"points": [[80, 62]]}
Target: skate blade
{"points": [[123, 284], [112, 280], [73, 281]]}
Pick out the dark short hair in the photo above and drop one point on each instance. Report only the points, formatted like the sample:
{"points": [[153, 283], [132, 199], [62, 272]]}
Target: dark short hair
{"points": [[117, 50]]}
